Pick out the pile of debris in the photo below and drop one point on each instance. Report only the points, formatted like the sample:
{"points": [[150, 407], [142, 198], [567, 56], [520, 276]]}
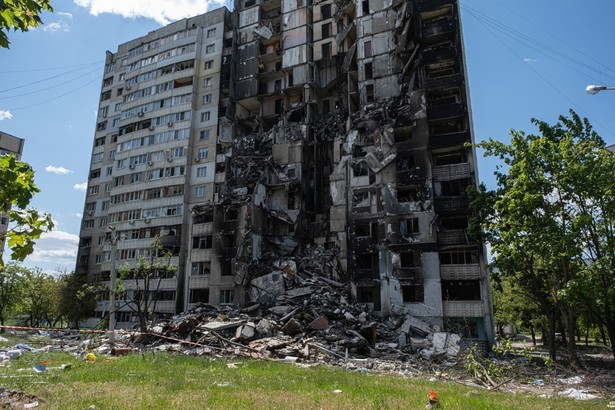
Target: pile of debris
{"points": [[312, 321]]}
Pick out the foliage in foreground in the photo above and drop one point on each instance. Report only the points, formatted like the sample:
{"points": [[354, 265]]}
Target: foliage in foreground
{"points": [[20, 15], [163, 381]]}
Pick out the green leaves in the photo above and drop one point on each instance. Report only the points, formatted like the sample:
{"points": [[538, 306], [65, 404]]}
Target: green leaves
{"points": [[20, 15]]}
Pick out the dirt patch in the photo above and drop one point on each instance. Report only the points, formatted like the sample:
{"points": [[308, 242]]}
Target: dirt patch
{"points": [[18, 400]]}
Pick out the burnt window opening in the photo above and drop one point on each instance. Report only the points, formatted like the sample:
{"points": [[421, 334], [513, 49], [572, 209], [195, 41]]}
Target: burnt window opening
{"points": [[326, 107], [202, 242], [458, 257], [405, 163], [438, 98], [369, 294], [231, 214], [408, 194], [403, 134], [199, 295], [367, 265], [325, 11], [369, 73], [226, 268], [408, 226], [360, 169], [279, 106], [413, 292], [360, 199], [205, 217], [410, 260], [449, 127], [454, 188], [454, 222], [449, 158], [461, 290], [291, 202], [228, 241]]}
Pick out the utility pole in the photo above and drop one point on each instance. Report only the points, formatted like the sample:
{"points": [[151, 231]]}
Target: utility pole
{"points": [[113, 275]]}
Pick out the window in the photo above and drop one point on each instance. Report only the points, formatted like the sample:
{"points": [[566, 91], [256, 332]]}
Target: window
{"points": [[211, 32], [199, 295], [458, 257], [205, 116], [326, 30], [207, 82], [201, 172], [408, 226], [206, 98], [99, 141], [202, 153], [201, 268], [369, 74], [367, 49], [93, 190], [325, 11], [208, 65], [461, 290], [365, 7], [199, 191], [109, 171], [88, 224], [326, 50], [202, 242], [369, 93], [413, 293], [210, 48], [204, 135], [227, 296]]}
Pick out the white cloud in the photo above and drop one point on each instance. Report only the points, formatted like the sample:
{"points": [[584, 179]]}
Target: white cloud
{"points": [[64, 14], [530, 60], [81, 187], [79, 215], [57, 170], [5, 115], [56, 26], [58, 248], [161, 11]]}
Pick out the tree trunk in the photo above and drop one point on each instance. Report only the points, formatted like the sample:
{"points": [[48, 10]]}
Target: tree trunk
{"points": [[533, 335], [572, 346], [602, 334], [551, 343], [611, 330]]}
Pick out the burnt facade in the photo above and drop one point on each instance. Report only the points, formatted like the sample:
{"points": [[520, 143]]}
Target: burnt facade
{"points": [[335, 144]]}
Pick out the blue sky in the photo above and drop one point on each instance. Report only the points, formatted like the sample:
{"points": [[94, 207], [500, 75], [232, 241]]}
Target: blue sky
{"points": [[525, 59]]}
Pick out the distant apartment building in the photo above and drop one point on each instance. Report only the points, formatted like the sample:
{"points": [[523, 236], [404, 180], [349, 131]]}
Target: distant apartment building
{"points": [[9, 144], [291, 136]]}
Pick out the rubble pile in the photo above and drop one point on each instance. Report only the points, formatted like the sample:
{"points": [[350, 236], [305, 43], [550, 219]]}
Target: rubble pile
{"points": [[307, 318]]}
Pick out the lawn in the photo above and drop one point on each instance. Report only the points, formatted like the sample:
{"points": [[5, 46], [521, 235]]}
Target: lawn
{"points": [[173, 381]]}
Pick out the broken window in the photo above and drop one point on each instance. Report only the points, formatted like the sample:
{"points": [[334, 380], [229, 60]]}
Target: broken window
{"points": [[458, 257], [291, 202], [438, 98], [360, 169], [228, 241], [367, 265], [205, 217], [369, 295], [231, 214], [405, 163], [226, 268], [408, 226], [201, 268], [369, 93], [360, 199], [410, 259], [199, 295], [413, 292], [466, 328], [202, 242], [454, 222], [461, 290], [407, 194], [365, 7], [449, 158]]}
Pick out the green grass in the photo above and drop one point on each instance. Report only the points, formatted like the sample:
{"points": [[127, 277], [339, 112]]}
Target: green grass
{"points": [[167, 381]]}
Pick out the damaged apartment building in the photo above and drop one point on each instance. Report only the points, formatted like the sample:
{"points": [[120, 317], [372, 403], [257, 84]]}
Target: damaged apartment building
{"points": [[290, 136]]}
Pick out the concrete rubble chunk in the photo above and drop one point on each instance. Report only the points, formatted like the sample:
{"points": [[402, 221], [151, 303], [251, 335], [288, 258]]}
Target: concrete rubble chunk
{"points": [[220, 325], [320, 323], [292, 328]]}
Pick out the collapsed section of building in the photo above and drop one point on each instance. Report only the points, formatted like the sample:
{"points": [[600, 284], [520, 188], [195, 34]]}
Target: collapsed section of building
{"points": [[292, 135]]}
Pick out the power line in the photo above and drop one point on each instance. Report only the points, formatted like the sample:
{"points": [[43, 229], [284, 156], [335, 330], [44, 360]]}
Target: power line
{"points": [[59, 96], [48, 78], [539, 74], [50, 68], [53, 86]]}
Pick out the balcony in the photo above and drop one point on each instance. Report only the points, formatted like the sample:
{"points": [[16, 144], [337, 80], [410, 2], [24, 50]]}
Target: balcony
{"points": [[453, 80], [438, 30], [451, 204], [407, 273], [469, 271], [451, 172], [441, 112], [431, 5], [453, 237], [463, 308], [452, 139], [439, 54]]}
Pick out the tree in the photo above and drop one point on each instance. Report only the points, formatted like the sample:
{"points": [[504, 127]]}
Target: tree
{"points": [[13, 282], [17, 188], [549, 221], [139, 286], [42, 299], [20, 15], [78, 298]]}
